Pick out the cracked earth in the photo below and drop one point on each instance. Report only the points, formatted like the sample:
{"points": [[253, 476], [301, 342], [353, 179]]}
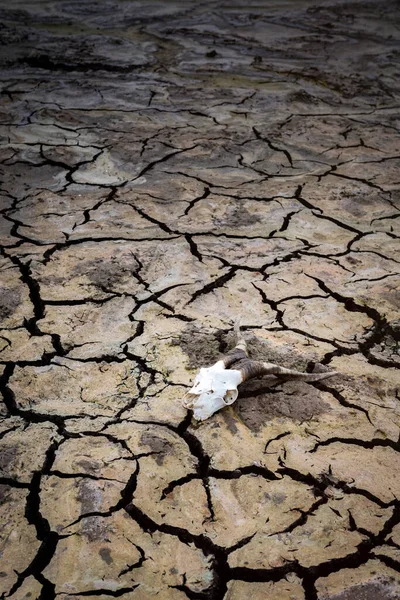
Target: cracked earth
{"points": [[165, 169]]}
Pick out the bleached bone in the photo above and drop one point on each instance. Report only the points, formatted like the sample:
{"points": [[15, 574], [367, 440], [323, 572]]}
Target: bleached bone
{"points": [[216, 386]]}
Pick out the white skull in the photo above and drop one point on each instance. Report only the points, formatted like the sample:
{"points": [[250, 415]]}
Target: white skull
{"points": [[213, 388]]}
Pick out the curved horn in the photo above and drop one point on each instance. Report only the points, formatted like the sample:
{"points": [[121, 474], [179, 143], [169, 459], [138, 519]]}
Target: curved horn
{"points": [[253, 368], [239, 352], [234, 356]]}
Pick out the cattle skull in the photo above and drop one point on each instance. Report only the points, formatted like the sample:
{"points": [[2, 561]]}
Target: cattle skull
{"points": [[213, 388], [216, 386]]}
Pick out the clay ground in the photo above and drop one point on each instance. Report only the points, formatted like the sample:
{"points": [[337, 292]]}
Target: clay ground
{"points": [[167, 167]]}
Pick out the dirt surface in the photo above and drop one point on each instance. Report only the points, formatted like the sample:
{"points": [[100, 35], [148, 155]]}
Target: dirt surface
{"points": [[167, 167]]}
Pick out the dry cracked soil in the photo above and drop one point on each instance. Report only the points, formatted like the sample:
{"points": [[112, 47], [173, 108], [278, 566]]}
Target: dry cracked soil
{"points": [[167, 167]]}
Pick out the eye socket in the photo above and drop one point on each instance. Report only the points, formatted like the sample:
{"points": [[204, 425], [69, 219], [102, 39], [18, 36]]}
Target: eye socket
{"points": [[230, 397]]}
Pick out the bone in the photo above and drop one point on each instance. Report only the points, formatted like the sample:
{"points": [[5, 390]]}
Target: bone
{"points": [[234, 356], [239, 352], [216, 387], [213, 388], [252, 368]]}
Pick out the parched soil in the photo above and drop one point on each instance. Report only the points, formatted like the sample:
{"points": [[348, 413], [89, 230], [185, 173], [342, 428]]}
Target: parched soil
{"points": [[167, 168]]}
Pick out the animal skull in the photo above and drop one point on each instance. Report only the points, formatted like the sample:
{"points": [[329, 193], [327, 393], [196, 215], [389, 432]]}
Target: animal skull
{"points": [[216, 386]]}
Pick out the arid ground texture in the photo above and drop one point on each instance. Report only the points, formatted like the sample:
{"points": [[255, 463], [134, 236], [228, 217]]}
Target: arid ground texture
{"points": [[166, 168]]}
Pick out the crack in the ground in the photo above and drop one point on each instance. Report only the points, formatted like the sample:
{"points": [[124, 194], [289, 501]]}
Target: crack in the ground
{"points": [[220, 474], [48, 538], [190, 114], [341, 399], [368, 444], [272, 146], [365, 551]]}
